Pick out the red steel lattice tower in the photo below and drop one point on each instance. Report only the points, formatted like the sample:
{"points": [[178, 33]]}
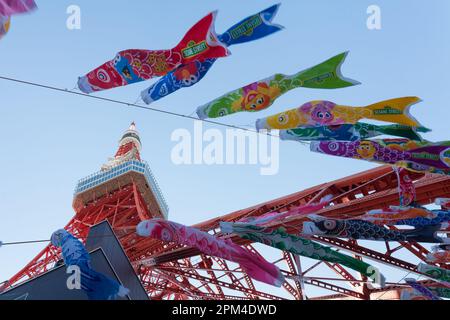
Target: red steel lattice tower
{"points": [[125, 192]]}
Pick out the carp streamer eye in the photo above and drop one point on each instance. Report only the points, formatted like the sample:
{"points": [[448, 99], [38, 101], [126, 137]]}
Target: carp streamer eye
{"points": [[323, 115], [165, 235], [117, 59], [283, 119], [333, 146], [102, 75], [223, 112], [329, 224], [190, 81]]}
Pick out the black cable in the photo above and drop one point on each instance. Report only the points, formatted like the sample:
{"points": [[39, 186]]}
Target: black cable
{"points": [[128, 104], [47, 240]]}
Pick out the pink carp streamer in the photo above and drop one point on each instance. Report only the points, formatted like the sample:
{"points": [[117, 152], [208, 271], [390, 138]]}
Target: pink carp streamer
{"points": [[12, 7], [299, 211], [254, 265], [406, 187]]}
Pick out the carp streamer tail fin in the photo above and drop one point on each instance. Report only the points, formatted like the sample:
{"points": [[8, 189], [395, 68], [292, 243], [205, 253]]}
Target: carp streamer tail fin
{"points": [[259, 269], [200, 38], [399, 130], [326, 75], [254, 265], [434, 156], [252, 28], [394, 111]]}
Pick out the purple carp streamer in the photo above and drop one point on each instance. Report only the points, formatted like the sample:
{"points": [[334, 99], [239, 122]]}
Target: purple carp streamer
{"points": [[12, 7], [9, 8], [422, 289], [437, 156]]}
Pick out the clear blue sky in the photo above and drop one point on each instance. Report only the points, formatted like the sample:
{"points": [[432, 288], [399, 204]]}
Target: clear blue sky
{"points": [[50, 140]]}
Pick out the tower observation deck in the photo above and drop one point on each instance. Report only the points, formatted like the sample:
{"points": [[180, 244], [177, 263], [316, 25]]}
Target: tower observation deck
{"points": [[123, 169]]}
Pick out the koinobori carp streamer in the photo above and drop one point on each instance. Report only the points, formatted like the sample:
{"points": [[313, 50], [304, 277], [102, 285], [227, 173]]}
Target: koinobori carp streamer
{"points": [[135, 65], [294, 212], [430, 156], [96, 285], [280, 239], [411, 294], [408, 145], [394, 214], [439, 254], [255, 266], [443, 202], [406, 188], [440, 291], [364, 230], [9, 8], [434, 272], [251, 28], [5, 23], [421, 289], [262, 94], [327, 113], [420, 168], [441, 218], [350, 132]]}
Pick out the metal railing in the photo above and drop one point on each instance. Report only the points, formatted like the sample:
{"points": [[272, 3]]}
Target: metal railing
{"points": [[118, 170]]}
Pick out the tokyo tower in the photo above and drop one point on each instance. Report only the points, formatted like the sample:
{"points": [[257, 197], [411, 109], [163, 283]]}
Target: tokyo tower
{"points": [[125, 192]]}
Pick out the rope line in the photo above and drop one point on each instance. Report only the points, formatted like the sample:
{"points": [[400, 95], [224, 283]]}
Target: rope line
{"points": [[46, 240], [135, 105]]}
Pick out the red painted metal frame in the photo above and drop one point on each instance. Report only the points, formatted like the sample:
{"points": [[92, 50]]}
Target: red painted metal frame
{"points": [[169, 271]]}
